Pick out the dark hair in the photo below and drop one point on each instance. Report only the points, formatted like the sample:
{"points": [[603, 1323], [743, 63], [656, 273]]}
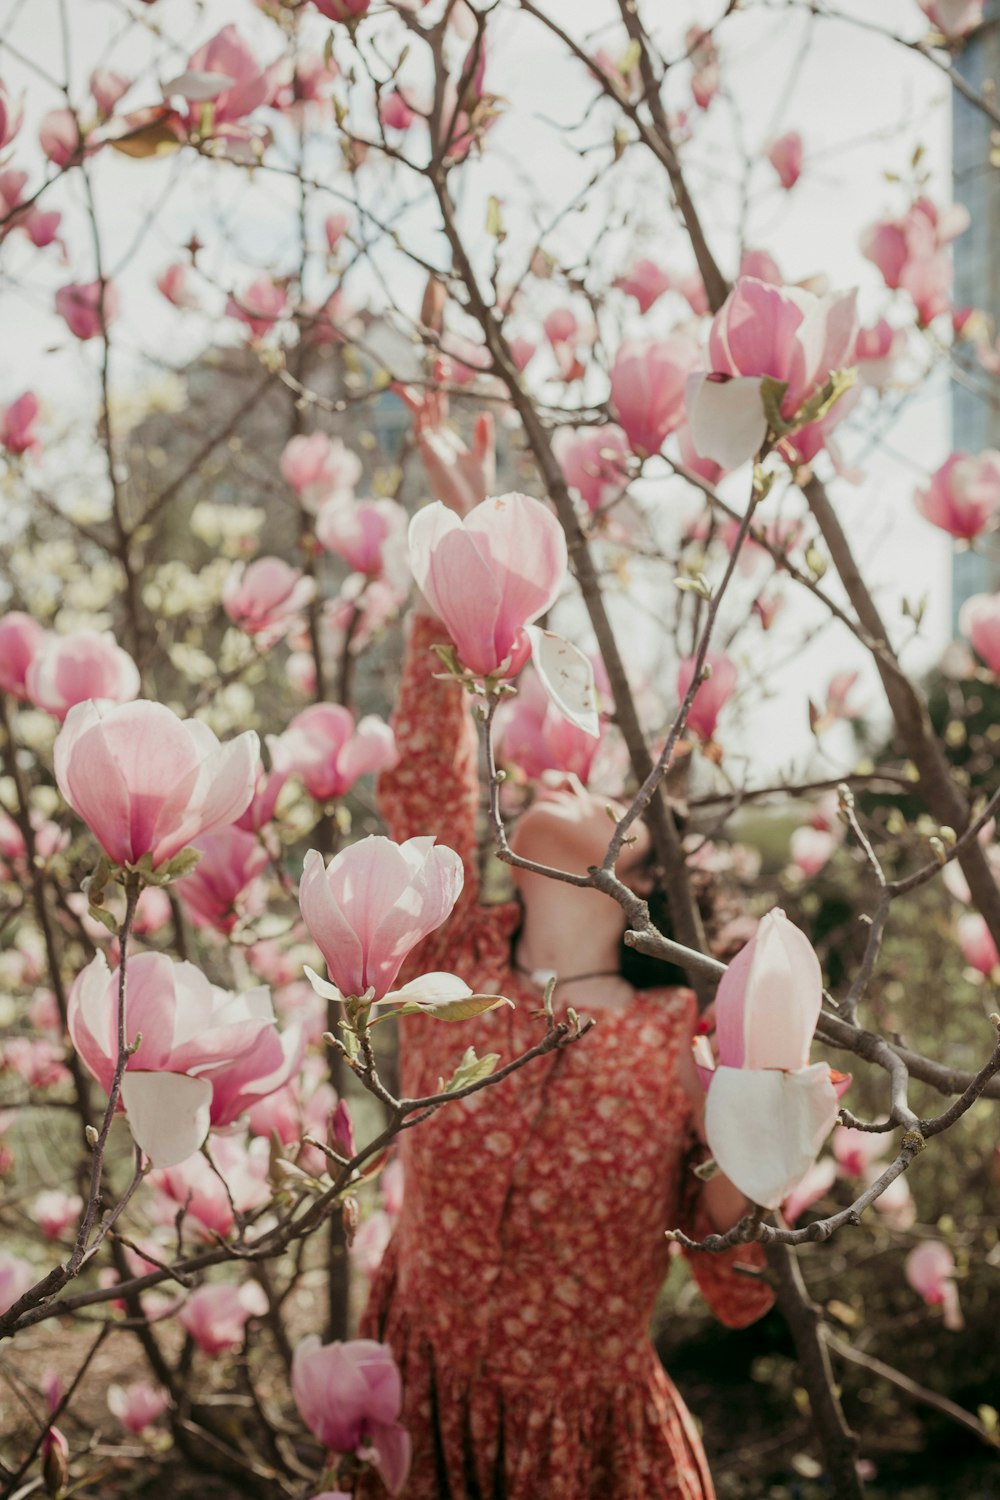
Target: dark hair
{"points": [[642, 970]]}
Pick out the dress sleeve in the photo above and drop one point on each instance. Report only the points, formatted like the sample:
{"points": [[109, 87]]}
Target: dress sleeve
{"points": [[735, 1298], [434, 788]]}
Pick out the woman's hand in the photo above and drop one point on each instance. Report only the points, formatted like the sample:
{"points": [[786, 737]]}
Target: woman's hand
{"points": [[458, 476]]}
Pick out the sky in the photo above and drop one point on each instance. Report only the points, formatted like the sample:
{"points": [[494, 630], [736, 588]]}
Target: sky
{"points": [[862, 105]]}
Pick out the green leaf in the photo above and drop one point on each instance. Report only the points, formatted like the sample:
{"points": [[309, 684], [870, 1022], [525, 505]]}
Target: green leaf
{"points": [[181, 864], [698, 585], [454, 1010], [100, 914], [629, 58], [351, 1044], [494, 219], [471, 1069], [449, 656], [772, 393], [821, 401]]}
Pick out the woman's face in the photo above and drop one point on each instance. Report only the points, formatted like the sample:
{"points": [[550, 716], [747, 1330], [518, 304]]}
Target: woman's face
{"points": [[570, 828]]}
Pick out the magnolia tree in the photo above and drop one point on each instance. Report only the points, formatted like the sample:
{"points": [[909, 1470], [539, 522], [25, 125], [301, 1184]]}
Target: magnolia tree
{"points": [[254, 417]]}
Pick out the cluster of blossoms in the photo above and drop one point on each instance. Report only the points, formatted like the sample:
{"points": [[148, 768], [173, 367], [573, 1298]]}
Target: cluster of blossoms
{"points": [[226, 1089]]}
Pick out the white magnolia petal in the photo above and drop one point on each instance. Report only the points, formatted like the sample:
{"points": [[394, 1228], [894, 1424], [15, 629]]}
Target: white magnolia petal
{"points": [[197, 87], [323, 987], [567, 676], [725, 418], [431, 987], [765, 1127], [168, 1113], [444, 996]]}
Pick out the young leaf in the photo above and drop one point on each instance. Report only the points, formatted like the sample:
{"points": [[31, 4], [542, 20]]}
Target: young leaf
{"points": [[471, 1069]]}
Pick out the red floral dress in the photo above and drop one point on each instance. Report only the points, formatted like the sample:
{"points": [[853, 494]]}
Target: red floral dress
{"points": [[517, 1289]]}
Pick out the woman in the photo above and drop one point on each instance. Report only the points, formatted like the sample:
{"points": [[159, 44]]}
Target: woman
{"points": [[517, 1290]]}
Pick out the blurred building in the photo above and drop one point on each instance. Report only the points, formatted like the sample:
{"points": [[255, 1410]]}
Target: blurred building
{"points": [[976, 170]]}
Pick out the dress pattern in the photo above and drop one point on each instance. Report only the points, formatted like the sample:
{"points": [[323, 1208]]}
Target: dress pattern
{"points": [[518, 1286]]}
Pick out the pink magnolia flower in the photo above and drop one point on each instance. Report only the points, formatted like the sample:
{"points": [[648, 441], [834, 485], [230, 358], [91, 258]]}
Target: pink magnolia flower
{"points": [[305, 1106], [174, 283], [216, 1314], [146, 782], [594, 461], [370, 1242], [20, 638], [265, 598], [59, 136], [225, 74], [928, 282], [467, 118], [349, 1395], [911, 253], [267, 788], [16, 1276], [37, 1061], [647, 389], [532, 734], [373, 903], [41, 228], [224, 886], [692, 289], [706, 78], [335, 226], [260, 306], [370, 535], [816, 1183], [323, 746], [394, 112], [561, 326], [762, 265], [343, 10], [152, 912], [489, 575], [107, 87], [810, 849], [713, 694], [979, 622], [203, 1057], [855, 1151], [953, 17], [768, 1110], [895, 1203], [137, 1404], [11, 115], [705, 468], [12, 185], [69, 669], [976, 942], [54, 1212], [85, 312], [236, 1180], [930, 1269], [318, 468], [646, 282], [311, 83], [877, 350], [785, 156], [785, 333], [962, 497], [522, 352], [17, 425]]}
